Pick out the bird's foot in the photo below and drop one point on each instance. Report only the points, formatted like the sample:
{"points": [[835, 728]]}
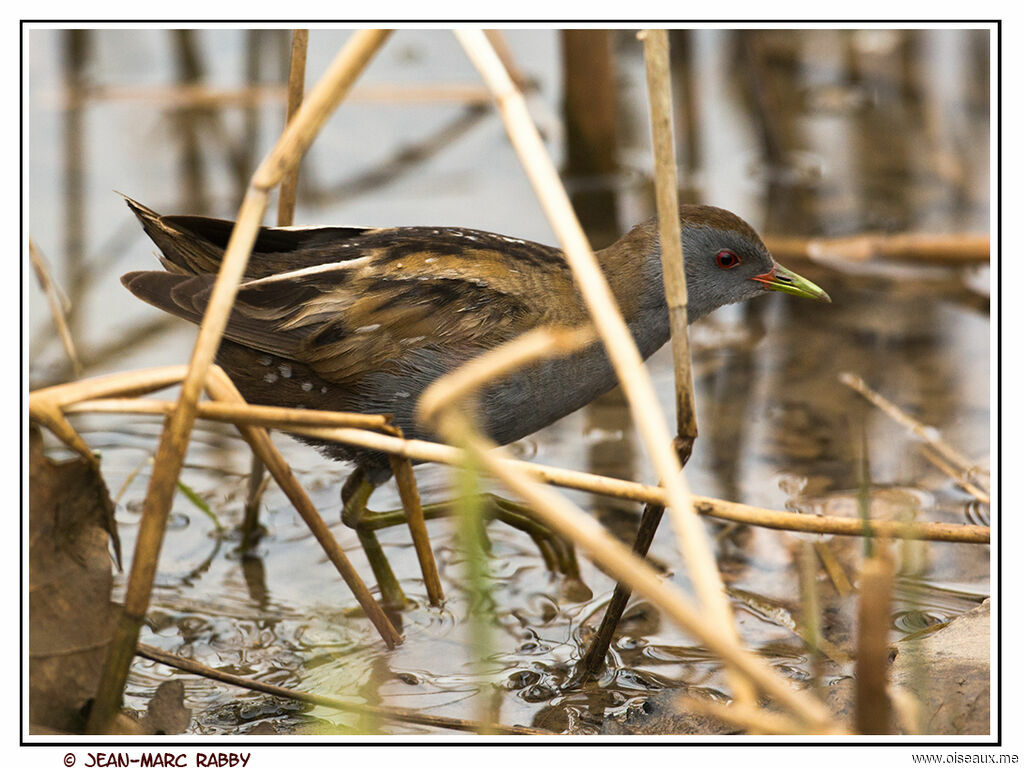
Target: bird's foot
{"points": [[559, 555]]}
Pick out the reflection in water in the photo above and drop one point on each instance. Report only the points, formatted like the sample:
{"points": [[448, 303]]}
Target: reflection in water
{"points": [[76, 45], [812, 132]]}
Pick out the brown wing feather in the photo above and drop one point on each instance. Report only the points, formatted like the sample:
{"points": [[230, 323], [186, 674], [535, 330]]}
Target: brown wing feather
{"points": [[364, 301], [348, 323]]}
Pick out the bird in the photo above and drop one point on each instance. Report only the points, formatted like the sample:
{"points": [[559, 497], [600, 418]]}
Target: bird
{"points": [[365, 319]]}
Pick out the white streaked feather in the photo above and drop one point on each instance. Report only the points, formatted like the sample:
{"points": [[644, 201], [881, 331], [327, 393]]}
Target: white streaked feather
{"points": [[309, 227], [314, 270]]}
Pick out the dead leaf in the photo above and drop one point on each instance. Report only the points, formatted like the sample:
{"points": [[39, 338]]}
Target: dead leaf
{"points": [[70, 578]]}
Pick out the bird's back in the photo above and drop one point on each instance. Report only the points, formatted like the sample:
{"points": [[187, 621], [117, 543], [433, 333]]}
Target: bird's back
{"points": [[361, 319]]}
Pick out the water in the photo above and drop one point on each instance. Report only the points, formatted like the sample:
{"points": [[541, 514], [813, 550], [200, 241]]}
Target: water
{"points": [[864, 134]]}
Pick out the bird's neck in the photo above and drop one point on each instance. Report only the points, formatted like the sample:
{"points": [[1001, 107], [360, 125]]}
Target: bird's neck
{"points": [[633, 267]]}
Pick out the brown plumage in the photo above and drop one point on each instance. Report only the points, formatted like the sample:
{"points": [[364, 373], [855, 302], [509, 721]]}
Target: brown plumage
{"points": [[355, 319]]}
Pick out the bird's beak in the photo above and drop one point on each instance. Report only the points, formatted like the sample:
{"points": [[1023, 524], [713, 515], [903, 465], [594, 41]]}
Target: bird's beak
{"points": [[778, 278]]}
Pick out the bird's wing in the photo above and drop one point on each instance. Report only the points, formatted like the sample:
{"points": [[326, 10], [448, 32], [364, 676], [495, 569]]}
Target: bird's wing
{"points": [[402, 297]]}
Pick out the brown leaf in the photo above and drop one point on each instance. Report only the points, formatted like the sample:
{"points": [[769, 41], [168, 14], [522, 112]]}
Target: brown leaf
{"points": [[70, 578]]}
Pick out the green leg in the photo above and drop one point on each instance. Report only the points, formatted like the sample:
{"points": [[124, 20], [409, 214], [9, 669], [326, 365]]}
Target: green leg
{"points": [[354, 514], [521, 517], [559, 556]]}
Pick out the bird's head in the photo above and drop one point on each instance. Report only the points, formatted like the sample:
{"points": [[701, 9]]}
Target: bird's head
{"points": [[726, 261]]}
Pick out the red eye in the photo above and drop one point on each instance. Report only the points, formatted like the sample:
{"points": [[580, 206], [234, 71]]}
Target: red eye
{"points": [[726, 259]]}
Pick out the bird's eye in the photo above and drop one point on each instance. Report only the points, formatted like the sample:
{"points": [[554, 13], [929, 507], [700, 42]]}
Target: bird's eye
{"points": [[726, 259]]}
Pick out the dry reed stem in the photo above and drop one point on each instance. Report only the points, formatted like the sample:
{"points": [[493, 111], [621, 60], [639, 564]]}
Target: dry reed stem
{"points": [[177, 428], [122, 384], [500, 45], [46, 405], [620, 562], [659, 89], [52, 418], [659, 92], [954, 250], [809, 627], [929, 435], [833, 568], [222, 388], [296, 87], [956, 477], [750, 718], [300, 421], [285, 217], [243, 413], [810, 604], [402, 715], [52, 291], [318, 106], [810, 612], [612, 329], [410, 496], [873, 619]]}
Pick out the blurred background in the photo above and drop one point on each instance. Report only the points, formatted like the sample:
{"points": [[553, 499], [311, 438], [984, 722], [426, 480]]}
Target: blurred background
{"points": [[801, 132]]}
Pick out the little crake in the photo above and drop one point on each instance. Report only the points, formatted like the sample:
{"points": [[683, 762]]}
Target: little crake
{"points": [[354, 319]]}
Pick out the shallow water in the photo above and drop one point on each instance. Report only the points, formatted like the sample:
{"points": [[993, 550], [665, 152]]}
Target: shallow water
{"points": [[865, 136]]}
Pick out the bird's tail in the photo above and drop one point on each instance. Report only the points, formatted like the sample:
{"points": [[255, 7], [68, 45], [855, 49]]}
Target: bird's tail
{"points": [[195, 245], [191, 245]]}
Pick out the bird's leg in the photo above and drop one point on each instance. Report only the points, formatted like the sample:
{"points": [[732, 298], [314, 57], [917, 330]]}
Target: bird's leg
{"points": [[593, 660], [558, 554], [354, 514]]}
